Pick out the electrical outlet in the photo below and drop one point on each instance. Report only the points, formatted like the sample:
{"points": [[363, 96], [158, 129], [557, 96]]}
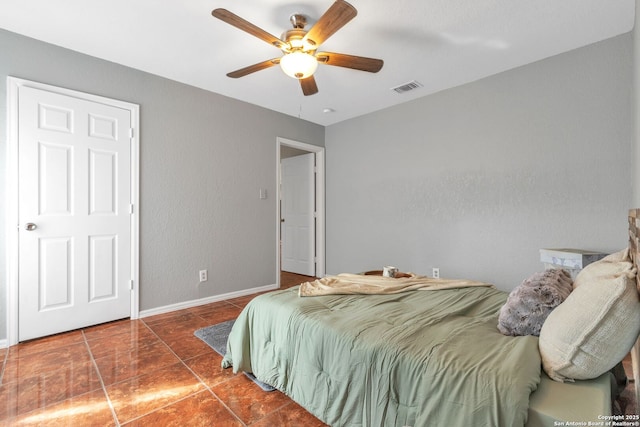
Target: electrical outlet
{"points": [[435, 272], [203, 275]]}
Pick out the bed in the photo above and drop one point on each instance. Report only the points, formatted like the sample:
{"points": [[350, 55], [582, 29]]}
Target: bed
{"points": [[415, 358]]}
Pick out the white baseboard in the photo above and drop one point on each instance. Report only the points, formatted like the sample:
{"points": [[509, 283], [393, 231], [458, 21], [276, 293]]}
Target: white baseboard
{"points": [[4, 343], [202, 301]]}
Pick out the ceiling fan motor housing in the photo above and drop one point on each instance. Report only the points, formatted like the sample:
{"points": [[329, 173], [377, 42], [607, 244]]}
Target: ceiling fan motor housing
{"points": [[298, 20], [293, 38]]}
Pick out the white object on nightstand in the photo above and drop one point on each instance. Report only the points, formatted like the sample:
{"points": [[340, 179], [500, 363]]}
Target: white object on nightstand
{"points": [[572, 260]]}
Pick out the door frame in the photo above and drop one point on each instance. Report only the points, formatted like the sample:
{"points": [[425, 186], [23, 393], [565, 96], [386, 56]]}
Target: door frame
{"points": [[319, 198], [12, 242]]}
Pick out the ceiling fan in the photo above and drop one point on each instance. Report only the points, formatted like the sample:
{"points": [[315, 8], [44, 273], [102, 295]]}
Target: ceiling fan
{"points": [[300, 59]]}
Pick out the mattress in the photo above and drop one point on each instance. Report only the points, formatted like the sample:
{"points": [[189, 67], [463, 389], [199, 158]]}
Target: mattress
{"points": [[581, 402], [413, 359]]}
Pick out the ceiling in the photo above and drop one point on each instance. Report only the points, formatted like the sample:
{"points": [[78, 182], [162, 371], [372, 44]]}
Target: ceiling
{"points": [[439, 43]]}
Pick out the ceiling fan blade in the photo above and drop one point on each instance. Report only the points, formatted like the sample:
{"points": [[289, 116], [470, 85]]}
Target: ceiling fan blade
{"points": [[333, 19], [253, 68], [309, 86], [246, 26], [362, 63]]}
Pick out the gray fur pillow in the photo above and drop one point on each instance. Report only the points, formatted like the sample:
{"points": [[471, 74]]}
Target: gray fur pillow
{"points": [[529, 304]]}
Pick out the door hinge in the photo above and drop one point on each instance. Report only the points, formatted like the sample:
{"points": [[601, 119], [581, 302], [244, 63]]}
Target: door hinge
{"points": [[131, 208], [131, 285], [131, 134]]}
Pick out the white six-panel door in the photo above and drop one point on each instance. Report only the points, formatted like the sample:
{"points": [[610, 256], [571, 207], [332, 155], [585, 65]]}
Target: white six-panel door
{"points": [[297, 211], [74, 195]]}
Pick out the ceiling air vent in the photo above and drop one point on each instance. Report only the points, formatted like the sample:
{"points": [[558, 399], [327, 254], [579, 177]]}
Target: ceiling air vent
{"points": [[407, 87]]}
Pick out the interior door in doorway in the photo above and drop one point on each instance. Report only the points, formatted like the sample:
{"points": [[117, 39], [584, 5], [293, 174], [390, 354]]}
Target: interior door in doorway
{"points": [[298, 214], [74, 196]]}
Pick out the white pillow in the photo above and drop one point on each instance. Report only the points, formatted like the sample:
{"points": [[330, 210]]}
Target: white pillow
{"points": [[596, 326], [611, 265]]}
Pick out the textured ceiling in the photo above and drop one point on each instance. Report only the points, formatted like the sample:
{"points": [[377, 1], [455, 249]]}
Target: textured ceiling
{"points": [[439, 43]]}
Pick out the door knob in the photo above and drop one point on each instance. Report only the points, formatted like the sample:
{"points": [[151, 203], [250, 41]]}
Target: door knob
{"points": [[30, 226], [281, 219]]}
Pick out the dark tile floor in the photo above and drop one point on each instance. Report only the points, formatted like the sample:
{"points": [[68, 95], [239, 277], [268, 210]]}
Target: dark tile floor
{"points": [[146, 372]]}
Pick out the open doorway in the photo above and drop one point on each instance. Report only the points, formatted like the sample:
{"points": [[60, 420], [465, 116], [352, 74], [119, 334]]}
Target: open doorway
{"points": [[300, 201]]}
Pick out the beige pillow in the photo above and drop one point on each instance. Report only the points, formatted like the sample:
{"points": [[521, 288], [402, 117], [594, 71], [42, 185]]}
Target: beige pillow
{"points": [[611, 265], [596, 326]]}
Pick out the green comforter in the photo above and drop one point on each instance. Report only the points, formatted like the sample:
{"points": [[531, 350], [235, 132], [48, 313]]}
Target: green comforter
{"points": [[420, 358]]}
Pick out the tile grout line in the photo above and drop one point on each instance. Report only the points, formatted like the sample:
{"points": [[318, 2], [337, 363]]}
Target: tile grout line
{"points": [[228, 380], [104, 388], [241, 307], [145, 414], [206, 386], [170, 403], [18, 381], [162, 407]]}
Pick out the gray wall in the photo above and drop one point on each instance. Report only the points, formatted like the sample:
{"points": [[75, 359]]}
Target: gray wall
{"points": [[204, 158], [476, 179], [636, 109]]}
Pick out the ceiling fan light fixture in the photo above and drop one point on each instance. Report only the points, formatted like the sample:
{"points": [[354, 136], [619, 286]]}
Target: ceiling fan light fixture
{"points": [[299, 65]]}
